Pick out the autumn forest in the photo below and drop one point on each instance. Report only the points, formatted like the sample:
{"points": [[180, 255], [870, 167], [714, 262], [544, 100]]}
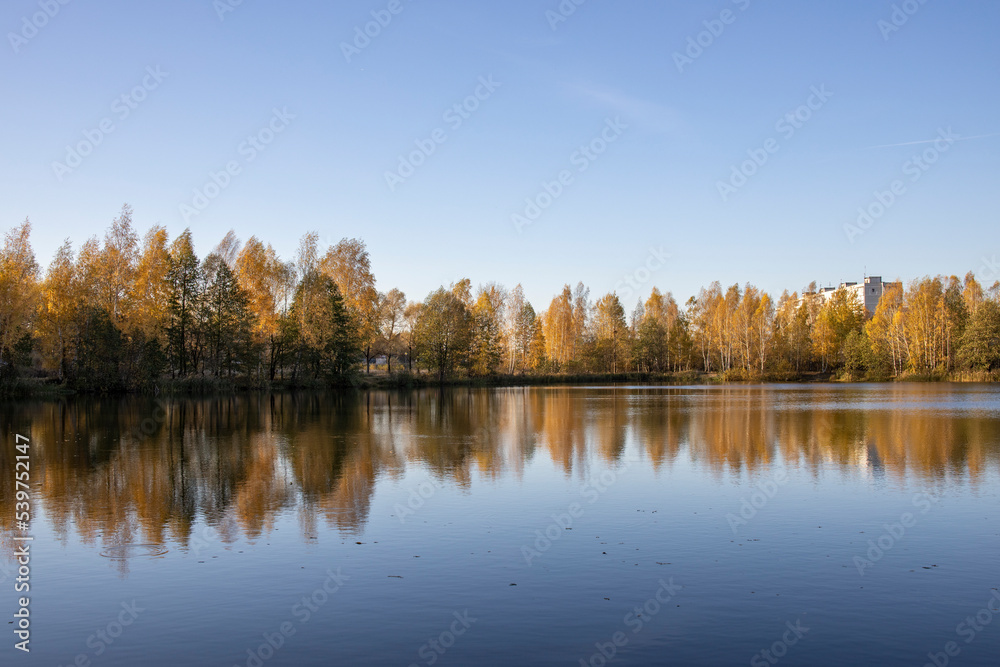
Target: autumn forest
{"points": [[131, 313]]}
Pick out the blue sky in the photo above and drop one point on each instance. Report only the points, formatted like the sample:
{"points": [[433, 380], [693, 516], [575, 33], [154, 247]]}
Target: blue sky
{"points": [[681, 130]]}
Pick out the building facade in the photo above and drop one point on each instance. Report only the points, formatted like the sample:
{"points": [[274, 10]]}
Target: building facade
{"points": [[868, 293]]}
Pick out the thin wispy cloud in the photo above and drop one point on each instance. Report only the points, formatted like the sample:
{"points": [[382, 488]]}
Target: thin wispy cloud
{"points": [[931, 141], [650, 115]]}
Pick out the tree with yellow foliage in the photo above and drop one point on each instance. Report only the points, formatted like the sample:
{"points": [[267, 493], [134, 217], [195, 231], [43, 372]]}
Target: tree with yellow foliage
{"points": [[559, 328], [147, 296], [486, 339], [349, 266], [267, 282], [925, 324], [652, 350], [839, 315], [886, 332], [442, 330], [58, 311], [392, 315], [610, 334], [18, 294], [116, 265]]}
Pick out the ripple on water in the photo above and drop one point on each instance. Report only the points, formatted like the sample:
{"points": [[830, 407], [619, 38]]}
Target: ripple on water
{"points": [[130, 551]]}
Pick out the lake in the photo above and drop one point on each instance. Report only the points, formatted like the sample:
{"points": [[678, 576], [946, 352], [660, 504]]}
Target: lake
{"points": [[625, 525]]}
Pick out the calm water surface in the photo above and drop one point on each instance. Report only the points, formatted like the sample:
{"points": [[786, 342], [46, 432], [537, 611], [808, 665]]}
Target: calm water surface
{"points": [[826, 525]]}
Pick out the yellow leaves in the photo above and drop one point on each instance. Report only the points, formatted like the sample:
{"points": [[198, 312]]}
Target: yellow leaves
{"points": [[661, 308], [146, 308], [56, 314], [972, 293], [925, 323], [463, 290], [261, 274], [559, 328], [116, 265], [609, 318], [18, 287], [349, 265]]}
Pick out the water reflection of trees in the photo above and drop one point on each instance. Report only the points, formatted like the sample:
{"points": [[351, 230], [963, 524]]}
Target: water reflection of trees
{"points": [[114, 471]]}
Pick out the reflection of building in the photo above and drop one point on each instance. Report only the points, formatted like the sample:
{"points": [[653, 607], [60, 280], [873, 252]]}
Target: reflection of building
{"points": [[868, 293]]}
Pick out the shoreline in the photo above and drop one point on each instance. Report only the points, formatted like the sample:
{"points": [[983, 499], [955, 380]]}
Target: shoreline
{"points": [[37, 388]]}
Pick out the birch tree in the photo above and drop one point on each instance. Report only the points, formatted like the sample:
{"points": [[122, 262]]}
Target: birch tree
{"points": [[18, 292]]}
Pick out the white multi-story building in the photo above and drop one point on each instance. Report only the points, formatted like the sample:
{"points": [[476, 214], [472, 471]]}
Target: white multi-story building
{"points": [[868, 293]]}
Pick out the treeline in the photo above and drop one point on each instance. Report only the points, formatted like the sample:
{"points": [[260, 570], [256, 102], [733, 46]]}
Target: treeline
{"points": [[128, 313]]}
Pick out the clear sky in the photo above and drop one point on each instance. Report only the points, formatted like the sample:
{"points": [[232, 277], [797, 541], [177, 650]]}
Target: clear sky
{"points": [[675, 129]]}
